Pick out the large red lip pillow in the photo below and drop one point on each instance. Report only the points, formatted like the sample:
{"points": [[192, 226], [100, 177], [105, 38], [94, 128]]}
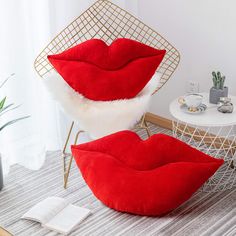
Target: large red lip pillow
{"points": [[104, 73], [150, 177]]}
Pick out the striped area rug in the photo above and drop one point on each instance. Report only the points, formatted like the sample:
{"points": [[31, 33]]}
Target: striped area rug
{"points": [[204, 214]]}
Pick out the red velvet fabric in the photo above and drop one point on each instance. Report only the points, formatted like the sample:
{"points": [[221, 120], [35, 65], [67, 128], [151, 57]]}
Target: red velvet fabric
{"points": [[104, 73], [150, 177]]}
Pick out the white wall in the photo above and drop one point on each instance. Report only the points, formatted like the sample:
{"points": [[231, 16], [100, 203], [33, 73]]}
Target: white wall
{"points": [[204, 32]]}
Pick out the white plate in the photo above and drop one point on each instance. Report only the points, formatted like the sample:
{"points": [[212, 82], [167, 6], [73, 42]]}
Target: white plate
{"points": [[199, 110]]}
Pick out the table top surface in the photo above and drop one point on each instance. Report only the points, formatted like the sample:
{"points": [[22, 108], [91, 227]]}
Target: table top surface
{"points": [[211, 117]]}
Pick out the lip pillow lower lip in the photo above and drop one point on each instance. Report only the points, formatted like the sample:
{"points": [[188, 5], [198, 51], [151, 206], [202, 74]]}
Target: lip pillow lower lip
{"points": [[150, 177], [102, 72]]}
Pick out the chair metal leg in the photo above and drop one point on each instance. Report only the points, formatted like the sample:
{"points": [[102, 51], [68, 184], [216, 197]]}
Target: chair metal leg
{"points": [[143, 125], [147, 129], [67, 171], [64, 154], [68, 137]]}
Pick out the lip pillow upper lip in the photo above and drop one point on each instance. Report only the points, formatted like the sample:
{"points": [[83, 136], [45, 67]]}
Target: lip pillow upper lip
{"points": [[104, 72], [145, 154], [108, 57], [150, 177]]}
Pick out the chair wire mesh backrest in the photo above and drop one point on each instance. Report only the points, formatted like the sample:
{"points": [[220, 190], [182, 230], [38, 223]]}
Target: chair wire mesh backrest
{"points": [[107, 21]]}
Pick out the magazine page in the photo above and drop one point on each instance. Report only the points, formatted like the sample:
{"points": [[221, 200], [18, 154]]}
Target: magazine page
{"points": [[45, 210], [67, 219]]}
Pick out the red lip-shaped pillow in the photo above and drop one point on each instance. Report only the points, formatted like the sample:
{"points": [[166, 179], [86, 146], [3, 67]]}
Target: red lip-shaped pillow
{"points": [[150, 177], [104, 73]]}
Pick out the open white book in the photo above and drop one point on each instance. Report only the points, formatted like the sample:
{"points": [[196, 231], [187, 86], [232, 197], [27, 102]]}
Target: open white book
{"points": [[57, 214]]}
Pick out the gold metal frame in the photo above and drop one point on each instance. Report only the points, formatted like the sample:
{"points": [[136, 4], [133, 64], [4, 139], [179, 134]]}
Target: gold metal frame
{"points": [[107, 21]]}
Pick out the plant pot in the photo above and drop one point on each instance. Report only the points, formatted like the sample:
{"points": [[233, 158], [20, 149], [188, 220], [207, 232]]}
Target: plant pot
{"points": [[1, 174], [215, 94]]}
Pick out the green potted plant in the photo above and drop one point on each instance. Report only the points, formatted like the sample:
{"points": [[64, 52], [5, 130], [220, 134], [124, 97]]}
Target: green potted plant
{"points": [[218, 90], [4, 108]]}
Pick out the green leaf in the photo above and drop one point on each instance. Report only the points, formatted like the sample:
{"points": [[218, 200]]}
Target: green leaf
{"points": [[11, 75], [12, 122], [4, 110], [2, 102]]}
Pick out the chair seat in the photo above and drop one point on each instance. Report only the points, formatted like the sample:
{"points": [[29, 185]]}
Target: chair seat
{"points": [[100, 118]]}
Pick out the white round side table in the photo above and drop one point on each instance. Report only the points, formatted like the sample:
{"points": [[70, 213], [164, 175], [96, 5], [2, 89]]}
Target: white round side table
{"points": [[211, 132]]}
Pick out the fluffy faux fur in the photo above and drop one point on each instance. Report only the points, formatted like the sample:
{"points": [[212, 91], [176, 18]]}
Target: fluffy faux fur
{"points": [[100, 118]]}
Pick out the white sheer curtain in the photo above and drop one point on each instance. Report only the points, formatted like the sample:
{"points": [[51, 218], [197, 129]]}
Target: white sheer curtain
{"points": [[26, 26]]}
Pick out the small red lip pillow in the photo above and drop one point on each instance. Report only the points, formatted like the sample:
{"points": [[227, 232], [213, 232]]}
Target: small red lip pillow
{"points": [[104, 73], [150, 177]]}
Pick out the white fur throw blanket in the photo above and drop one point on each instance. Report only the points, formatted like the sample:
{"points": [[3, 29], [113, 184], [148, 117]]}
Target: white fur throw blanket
{"points": [[100, 118]]}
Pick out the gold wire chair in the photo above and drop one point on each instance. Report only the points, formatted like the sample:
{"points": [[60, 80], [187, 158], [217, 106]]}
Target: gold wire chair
{"points": [[107, 21]]}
